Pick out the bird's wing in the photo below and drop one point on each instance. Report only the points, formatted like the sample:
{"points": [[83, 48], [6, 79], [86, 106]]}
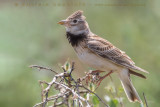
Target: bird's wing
{"points": [[108, 51]]}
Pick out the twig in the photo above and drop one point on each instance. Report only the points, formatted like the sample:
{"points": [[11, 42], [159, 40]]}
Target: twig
{"points": [[79, 103], [41, 67], [58, 104], [66, 89], [72, 68], [46, 100], [38, 104], [145, 100], [74, 93], [95, 95], [42, 87]]}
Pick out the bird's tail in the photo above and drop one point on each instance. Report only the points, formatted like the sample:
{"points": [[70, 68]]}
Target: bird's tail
{"points": [[128, 86]]}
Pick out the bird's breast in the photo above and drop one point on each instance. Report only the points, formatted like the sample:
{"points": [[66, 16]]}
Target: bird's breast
{"points": [[91, 59]]}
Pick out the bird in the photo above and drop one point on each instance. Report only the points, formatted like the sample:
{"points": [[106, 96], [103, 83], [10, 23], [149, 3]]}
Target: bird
{"points": [[100, 54]]}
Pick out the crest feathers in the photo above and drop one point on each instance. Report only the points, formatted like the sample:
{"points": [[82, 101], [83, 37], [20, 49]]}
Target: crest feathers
{"points": [[77, 14]]}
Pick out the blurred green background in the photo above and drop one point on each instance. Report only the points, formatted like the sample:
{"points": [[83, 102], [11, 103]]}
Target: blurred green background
{"points": [[29, 34]]}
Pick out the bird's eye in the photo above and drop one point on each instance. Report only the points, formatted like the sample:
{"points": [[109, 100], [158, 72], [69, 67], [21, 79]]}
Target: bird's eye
{"points": [[74, 21]]}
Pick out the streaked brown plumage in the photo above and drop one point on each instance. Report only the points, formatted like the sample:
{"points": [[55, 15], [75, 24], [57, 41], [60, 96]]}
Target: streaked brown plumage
{"points": [[106, 50], [100, 53]]}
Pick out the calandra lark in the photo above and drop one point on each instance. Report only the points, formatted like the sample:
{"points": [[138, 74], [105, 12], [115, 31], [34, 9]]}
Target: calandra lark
{"points": [[100, 53]]}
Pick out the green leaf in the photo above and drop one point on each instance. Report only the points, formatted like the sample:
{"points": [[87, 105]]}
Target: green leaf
{"points": [[85, 95], [120, 90], [113, 103], [67, 66], [95, 100], [92, 87]]}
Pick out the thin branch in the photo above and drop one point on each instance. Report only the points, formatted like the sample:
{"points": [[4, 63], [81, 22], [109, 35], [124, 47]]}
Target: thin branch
{"points": [[58, 104], [66, 89], [72, 68], [95, 95], [145, 100], [38, 104], [42, 87], [41, 67], [51, 98], [74, 93]]}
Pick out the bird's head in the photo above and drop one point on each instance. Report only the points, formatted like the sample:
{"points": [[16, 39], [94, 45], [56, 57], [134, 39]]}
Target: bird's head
{"points": [[76, 23]]}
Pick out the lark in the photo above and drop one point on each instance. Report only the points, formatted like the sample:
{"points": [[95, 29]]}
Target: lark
{"points": [[100, 54]]}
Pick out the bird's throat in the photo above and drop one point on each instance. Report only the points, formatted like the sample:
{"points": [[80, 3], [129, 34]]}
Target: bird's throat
{"points": [[75, 39]]}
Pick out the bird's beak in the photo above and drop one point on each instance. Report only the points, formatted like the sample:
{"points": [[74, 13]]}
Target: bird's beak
{"points": [[62, 22]]}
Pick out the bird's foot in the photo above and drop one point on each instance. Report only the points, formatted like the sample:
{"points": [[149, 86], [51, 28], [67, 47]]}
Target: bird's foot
{"points": [[93, 76], [101, 78], [97, 72]]}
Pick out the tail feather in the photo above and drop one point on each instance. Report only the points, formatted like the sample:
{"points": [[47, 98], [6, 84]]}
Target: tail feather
{"points": [[140, 69], [128, 86], [137, 74]]}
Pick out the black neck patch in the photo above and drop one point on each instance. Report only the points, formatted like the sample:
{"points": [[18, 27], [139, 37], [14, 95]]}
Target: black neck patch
{"points": [[75, 39]]}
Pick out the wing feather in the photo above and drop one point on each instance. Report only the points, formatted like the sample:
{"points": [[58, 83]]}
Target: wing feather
{"points": [[106, 50]]}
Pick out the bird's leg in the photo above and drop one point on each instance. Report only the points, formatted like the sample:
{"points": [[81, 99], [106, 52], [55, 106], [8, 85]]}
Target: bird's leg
{"points": [[97, 72], [101, 78], [93, 76]]}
